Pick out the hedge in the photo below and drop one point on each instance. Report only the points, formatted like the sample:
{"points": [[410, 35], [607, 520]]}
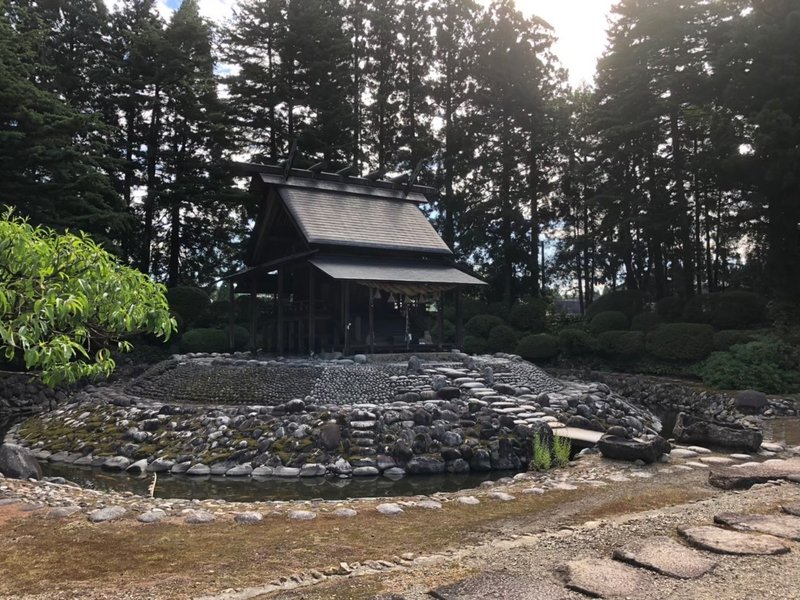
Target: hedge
{"points": [[213, 340], [629, 302], [621, 344], [481, 325], [575, 342], [610, 320], [681, 341], [475, 345], [645, 321], [737, 309], [725, 339], [190, 303], [529, 315], [502, 339], [670, 309], [538, 346]]}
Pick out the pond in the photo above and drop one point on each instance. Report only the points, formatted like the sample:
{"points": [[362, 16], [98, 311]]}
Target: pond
{"points": [[246, 489]]}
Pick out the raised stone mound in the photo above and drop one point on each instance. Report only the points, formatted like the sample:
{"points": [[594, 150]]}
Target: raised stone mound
{"points": [[724, 541], [664, 555], [605, 578], [646, 448], [792, 509], [785, 526], [694, 430], [745, 476]]}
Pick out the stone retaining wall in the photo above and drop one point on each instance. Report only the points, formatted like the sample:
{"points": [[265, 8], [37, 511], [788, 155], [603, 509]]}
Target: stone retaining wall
{"points": [[22, 393]]}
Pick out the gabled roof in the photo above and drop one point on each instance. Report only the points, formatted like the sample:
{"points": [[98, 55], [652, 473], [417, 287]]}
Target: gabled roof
{"points": [[333, 215]]}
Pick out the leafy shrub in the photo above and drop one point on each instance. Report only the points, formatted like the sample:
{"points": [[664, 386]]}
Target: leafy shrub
{"points": [[726, 338], [575, 342], [737, 308], [529, 315], [481, 325], [449, 330], [562, 447], [538, 346], [189, 302], [475, 345], [681, 341], [670, 309], [204, 339], [629, 302], [499, 309], [610, 320], [645, 321], [469, 308], [502, 339], [770, 366], [621, 344]]}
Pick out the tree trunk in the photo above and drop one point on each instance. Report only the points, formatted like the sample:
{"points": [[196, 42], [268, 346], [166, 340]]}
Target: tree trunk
{"points": [[153, 140]]}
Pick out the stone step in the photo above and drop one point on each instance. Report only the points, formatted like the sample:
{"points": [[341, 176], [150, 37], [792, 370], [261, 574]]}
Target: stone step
{"points": [[606, 578], [724, 541], [785, 526], [664, 555]]}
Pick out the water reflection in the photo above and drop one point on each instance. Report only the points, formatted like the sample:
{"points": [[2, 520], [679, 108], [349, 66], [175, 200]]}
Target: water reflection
{"points": [[246, 489]]}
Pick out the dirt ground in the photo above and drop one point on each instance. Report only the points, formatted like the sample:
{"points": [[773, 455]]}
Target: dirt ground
{"points": [[421, 549]]}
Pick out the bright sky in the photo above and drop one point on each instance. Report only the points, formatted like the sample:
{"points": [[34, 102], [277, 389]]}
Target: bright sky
{"points": [[580, 26]]}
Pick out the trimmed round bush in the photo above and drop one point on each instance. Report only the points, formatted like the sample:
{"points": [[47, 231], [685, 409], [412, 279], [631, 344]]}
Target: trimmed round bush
{"points": [[189, 302], [610, 320], [502, 339], [725, 339], [469, 308], [621, 344], [737, 308], [769, 366], [475, 345], [629, 302], [499, 309], [698, 309], [576, 342], [538, 346], [645, 321], [681, 341], [481, 325], [670, 309], [449, 330], [204, 339], [529, 315]]}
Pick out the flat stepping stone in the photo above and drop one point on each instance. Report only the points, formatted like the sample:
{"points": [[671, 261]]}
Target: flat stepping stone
{"points": [[502, 496], [579, 435], [664, 555], [785, 526], [248, 517], [682, 453], [716, 460], [791, 509], [302, 515], [501, 586], [742, 477], [606, 578], [725, 541], [62, 512], [772, 447], [200, 517], [738, 456], [699, 449], [152, 516], [468, 500], [389, 509], [110, 513]]}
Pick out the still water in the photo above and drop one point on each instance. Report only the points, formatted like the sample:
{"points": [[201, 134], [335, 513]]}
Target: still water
{"points": [[246, 489]]}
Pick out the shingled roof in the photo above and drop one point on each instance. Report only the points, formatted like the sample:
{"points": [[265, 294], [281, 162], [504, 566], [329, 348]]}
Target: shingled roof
{"points": [[344, 218]]}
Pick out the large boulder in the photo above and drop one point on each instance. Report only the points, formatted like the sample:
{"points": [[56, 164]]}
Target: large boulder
{"points": [[18, 463], [646, 448], [703, 432], [751, 400]]}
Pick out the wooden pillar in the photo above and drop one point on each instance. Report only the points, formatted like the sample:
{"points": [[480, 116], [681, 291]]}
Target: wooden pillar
{"points": [[346, 311], [459, 321], [371, 321], [280, 332], [253, 314], [312, 333], [231, 316], [440, 320]]}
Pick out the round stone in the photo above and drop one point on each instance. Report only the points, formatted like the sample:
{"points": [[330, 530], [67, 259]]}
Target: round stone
{"points": [[389, 509], [345, 512], [502, 496], [110, 513], [302, 515], [248, 518], [199, 517], [429, 504], [151, 516], [469, 500]]}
